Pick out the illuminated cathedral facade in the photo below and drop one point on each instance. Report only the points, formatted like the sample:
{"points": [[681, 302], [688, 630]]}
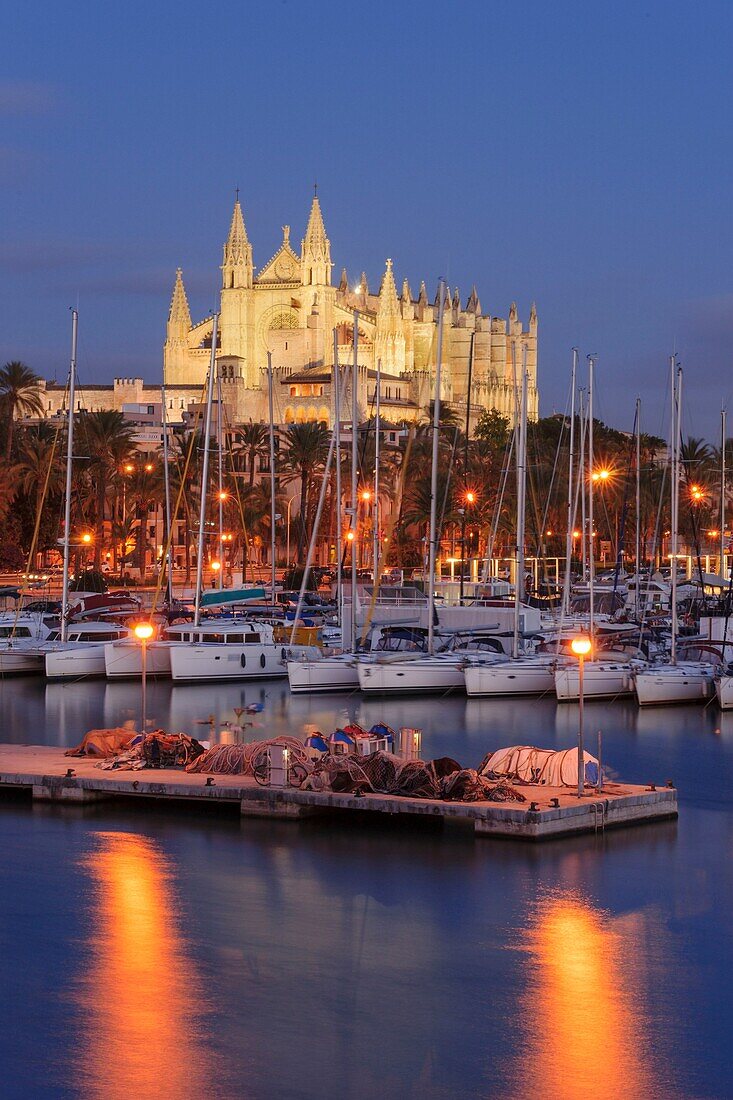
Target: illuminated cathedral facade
{"points": [[290, 309]]}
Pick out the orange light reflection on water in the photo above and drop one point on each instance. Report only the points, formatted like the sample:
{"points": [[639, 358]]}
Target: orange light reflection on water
{"points": [[141, 997], [584, 1011]]}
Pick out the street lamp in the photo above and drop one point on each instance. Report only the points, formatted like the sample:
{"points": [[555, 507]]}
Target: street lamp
{"points": [[143, 632], [581, 647]]}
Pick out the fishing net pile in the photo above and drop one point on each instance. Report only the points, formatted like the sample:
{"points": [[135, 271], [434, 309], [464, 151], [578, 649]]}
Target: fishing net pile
{"points": [[156, 750], [104, 743], [247, 759], [383, 773]]}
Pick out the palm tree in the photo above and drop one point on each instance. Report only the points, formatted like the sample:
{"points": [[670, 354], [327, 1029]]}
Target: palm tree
{"points": [[107, 440], [305, 451], [253, 444], [145, 490], [20, 395], [39, 459]]}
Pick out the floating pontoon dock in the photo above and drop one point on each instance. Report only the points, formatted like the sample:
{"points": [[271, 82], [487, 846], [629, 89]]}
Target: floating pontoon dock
{"points": [[49, 776]]}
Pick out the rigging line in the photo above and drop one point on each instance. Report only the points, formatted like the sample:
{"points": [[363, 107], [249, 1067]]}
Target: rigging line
{"points": [[624, 507], [240, 503], [39, 513], [179, 496]]}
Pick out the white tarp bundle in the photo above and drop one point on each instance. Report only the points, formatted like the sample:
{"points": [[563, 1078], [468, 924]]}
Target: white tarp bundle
{"points": [[532, 765]]}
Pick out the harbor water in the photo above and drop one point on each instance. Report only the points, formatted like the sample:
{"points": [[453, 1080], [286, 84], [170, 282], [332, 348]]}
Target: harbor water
{"points": [[178, 954]]}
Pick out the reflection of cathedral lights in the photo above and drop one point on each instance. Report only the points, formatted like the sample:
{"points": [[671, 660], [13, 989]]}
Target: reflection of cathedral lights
{"points": [[141, 997], [583, 1015]]}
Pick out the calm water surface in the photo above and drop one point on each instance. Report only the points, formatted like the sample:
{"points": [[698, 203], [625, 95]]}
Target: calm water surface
{"points": [[178, 955]]}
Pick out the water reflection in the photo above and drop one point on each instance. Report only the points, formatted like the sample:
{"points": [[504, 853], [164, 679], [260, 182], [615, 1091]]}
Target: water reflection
{"points": [[584, 1012], [142, 999]]}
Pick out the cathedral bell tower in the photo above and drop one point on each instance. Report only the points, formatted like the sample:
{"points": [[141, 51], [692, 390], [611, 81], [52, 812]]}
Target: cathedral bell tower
{"points": [[236, 290]]}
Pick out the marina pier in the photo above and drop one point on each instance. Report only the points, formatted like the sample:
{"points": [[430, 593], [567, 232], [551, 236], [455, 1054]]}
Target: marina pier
{"points": [[49, 776]]}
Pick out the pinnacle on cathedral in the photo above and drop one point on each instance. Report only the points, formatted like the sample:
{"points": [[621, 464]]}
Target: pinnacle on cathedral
{"points": [[406, 292], [237, 265], [473, 305], [344, 282], [316, 249], [179, 313], [388, 293]]}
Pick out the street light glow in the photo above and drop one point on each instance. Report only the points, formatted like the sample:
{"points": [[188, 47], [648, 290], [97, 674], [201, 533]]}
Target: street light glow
{"points": [[580, 646], [216, 566], [601, 475], [470, 496], [349, 536], [366, 494], [86, 538], [143, 631]]}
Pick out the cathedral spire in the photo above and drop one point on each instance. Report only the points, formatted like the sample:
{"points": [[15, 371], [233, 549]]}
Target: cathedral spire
{"points": [[179, 315], [389, 339], [406, 292], [473, 305], [316, 249], [423, 299], [237, 266]]}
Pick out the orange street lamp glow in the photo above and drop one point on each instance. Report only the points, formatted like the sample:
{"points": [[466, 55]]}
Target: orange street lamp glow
{"points": [[580, 646], [696, 492], [86, 538], [223, 495], [350, 536], [576, 534], [216, 566], [144, 631], [470, 497], [366, 494], [601, 475], [129, 468], [148, 466]]}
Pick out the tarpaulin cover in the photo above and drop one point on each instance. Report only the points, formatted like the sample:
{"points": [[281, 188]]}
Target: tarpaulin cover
{"points": [[545, 766]]}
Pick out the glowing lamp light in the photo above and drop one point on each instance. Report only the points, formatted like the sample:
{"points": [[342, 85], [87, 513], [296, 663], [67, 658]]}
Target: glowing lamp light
{"points": [[366, 494], [216, 566], [696, 492], [86, 538], [601, 475], [143, 631], [576, 534], [223, 495], [580, 646], [148, 466], [129, 468], [470, 497], [349, 536]]}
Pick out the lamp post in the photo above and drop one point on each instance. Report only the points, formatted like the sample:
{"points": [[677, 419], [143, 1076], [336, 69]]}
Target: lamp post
{"points": [[144, 632], [581, 647]]}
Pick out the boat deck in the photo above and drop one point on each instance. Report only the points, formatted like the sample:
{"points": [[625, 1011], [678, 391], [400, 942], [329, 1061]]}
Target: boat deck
{"points": [[49, 776]]}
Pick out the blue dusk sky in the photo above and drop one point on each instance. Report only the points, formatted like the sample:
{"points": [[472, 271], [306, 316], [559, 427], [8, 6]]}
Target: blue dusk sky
{"points": [[575, 154]]}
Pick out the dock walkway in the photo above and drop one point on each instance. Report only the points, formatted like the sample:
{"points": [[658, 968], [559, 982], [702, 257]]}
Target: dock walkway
{"points": [[548, 812]]}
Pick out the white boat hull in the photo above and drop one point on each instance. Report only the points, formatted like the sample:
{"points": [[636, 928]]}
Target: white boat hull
{"points": [[252, 661], [75, 662], [434, 675], [15, 661], [674, 684], [510, 678], [327, 674], [600, 681], [123, 660], [724, 692]]}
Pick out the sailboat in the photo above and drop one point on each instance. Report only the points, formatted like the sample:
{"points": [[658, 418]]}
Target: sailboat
{"points": [[675, 681], [522, 674]]}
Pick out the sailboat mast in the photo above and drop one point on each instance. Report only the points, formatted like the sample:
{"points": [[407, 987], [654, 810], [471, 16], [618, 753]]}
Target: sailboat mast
{"points": [[676, 428], [637, 541], [571, 460], [168, 537], [270, 400], [205, 474], [220, 479], [69, 463], [591, 547], [434, 476], [521, 503], [337, 428], [375, 554], [354, 472], [721, 570]]}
